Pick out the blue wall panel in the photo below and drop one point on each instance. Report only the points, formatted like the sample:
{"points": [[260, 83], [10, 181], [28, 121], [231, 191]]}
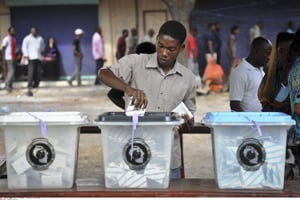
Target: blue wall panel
{"points": [[274, 13]]}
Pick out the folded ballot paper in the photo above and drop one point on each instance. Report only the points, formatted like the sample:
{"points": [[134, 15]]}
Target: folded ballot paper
{"points": [[181, 109], [132, 110]]}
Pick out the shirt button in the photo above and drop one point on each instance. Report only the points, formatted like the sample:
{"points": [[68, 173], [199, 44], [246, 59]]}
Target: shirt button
{"points": [[158, 107]]}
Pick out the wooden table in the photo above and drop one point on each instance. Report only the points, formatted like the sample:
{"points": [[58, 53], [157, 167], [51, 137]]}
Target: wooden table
{"points": [[177, 188]]}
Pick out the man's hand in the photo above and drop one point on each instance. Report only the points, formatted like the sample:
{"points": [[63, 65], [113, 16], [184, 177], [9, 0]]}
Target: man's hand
{"points": [[138, 97], [187, 125], [297, 108]]}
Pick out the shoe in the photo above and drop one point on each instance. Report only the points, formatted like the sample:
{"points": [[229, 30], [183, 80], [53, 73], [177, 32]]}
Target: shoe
{"points": [[8, 89], [29, 94], [202, 91], [70, 83]]}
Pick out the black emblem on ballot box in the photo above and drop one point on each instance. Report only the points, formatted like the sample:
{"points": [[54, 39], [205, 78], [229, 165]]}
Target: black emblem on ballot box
{"points": [[40, 154], [141, 155], [251, 154]]}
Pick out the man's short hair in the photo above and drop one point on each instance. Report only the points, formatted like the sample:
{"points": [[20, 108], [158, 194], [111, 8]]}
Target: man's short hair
{"points": [[174, 29]]}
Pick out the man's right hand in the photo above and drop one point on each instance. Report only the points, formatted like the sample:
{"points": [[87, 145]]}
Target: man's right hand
{"points": [[138, 97]]}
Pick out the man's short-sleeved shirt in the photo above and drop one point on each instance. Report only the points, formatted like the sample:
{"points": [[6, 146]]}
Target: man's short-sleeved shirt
{"points": [[244, 84], [164, 91]]}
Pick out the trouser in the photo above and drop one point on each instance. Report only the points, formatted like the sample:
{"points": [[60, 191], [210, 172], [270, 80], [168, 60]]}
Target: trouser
{"points": [[11, 66], [77, 72], [99, 65], [34, 73]]}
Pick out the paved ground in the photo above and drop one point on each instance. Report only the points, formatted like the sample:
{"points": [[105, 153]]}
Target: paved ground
{"points": [[92, 100]]}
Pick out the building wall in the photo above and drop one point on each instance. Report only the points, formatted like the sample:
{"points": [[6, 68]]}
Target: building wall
{"points": [[4, 19], [117, 15]]}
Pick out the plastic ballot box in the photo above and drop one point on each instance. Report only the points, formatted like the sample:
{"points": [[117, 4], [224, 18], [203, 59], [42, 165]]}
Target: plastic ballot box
{"points": [[137, 154], [249, 148], [41, 148]]}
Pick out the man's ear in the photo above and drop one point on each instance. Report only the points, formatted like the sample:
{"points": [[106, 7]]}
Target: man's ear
{"points": [[182, 47]]}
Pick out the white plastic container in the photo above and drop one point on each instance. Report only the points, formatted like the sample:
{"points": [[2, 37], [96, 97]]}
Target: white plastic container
{"points": [[149, 164], [249, 148], [41, 148]]}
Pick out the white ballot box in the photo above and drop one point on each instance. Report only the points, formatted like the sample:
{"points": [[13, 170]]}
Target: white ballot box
{"points": [[41, 148], [137, 154]]}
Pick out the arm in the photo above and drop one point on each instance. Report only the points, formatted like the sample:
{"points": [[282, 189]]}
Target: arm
{"points": [[236, 106], [77, 53], [210, 47], [297, 108], [231, 48], [111, 80], [190, 102], [24, 48]]}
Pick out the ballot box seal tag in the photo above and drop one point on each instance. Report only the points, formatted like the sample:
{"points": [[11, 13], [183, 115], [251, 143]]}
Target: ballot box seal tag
{"points": [[137, 155], [251, 154], [40, 154]]}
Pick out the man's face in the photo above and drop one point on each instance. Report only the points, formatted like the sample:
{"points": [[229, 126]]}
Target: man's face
{"points": [[282, 52], [34, 32], [263, 54], [167, 49]]}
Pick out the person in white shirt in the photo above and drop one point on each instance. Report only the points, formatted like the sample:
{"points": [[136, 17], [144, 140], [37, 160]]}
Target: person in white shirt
{"points": [[32, 47], [246, 78], [148, 37], [255, 31], [9, 57], [98, 51]]}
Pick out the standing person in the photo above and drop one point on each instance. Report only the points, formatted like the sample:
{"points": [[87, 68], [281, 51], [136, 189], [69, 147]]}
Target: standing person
{"points": [[255, 31], [192, 55], [50, 62], [231, 42], [122, 45], [78, 56], [210, 43], [157, 81], [133, 41], [273, 89], [245, 79], [9, 46], [148, 37], [294, 92], [32, 48], [98, 51], [218, 42]]}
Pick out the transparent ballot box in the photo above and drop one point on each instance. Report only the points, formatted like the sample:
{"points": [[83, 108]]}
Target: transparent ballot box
{"points": [[140, 157], [249, 148], [41, 148]]}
